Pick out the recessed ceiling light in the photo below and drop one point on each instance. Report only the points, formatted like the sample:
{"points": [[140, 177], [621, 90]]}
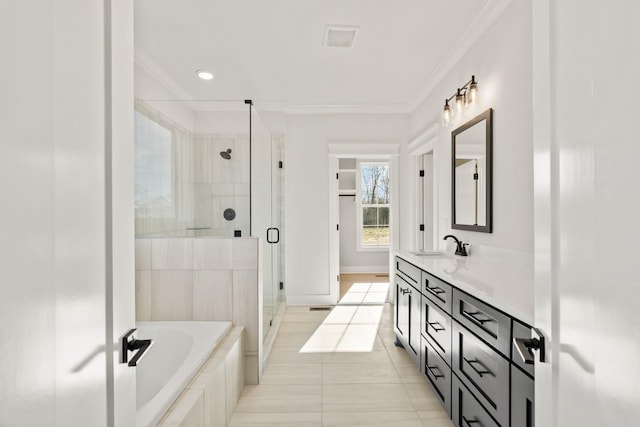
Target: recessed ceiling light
{"points": [[204, 75]]}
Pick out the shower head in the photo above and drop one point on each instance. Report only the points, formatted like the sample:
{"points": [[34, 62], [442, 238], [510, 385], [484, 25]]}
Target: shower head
{"points": [[226, 154]]}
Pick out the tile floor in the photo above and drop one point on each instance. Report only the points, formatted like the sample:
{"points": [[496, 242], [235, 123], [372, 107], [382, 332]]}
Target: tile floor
{"points": [[339, 368]]}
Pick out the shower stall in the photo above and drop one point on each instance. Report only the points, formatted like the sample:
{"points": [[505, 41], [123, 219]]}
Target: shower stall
{"points": [[212, 169]]}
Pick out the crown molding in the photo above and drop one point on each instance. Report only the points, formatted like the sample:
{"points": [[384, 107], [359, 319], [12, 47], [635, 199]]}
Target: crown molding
{"points": [[359, 149], [485, 18], [144, 61], [348, 109]]}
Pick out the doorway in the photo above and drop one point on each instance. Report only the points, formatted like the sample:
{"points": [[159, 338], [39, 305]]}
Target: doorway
{"points": [[361, 216]]}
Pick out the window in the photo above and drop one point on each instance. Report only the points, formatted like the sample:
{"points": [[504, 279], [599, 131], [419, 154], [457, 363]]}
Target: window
{"points": [[373, 205], [154, 189]]}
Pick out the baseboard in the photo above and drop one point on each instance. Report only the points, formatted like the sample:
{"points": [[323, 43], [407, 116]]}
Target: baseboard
{"points": [[303, 300], [376, 269]]}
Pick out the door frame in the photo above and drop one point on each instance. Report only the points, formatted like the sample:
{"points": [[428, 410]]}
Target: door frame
{"points": [[372, 151], [426, 142]]}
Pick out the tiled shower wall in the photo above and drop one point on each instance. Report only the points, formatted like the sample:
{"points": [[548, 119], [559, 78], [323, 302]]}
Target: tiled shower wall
{"points": [[202, 279], [220, 184]]}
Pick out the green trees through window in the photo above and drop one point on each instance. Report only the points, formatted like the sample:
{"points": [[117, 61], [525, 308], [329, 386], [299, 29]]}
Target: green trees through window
{"points": [[374, 201]]}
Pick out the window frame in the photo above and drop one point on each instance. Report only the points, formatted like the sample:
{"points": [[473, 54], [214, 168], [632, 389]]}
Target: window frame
{"points": [[360, 247]]}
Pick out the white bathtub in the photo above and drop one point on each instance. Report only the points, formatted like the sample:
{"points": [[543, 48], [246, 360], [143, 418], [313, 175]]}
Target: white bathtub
{"points": [[178, 351]]}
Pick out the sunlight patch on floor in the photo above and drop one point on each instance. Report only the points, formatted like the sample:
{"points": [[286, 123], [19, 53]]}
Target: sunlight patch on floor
{"points": [[351, 327]]}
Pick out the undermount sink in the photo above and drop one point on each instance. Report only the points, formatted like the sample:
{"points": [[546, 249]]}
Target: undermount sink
{"points": [[421, 253]]}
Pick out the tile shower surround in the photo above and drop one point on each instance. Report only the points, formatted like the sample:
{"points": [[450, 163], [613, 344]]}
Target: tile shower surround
{"points": [[201, 279], [208, 185]]}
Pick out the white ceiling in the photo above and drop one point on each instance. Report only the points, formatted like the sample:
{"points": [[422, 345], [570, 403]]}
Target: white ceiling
{"points": [[272, 51]]}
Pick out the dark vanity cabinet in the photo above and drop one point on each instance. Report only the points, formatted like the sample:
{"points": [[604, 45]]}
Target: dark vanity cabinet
{"points": [[522, 383], [407, 315], [481, 353], [465, 351], [435, 361]]}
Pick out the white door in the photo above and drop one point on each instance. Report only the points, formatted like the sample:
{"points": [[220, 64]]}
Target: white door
{"points": [[58, 366], [587, 205]]}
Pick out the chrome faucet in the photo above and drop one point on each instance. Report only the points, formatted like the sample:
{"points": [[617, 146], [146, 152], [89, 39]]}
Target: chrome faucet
{"points": [[460, 247]]}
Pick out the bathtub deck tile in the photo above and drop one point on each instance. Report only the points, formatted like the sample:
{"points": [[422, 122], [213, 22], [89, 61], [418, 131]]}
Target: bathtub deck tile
{"points": [[188, 410]]}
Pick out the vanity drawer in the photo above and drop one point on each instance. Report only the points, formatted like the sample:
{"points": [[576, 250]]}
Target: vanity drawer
{"points": [[438, 373], [436, 324], [409, 271], [485, 321], [520, 330], [466, 411], [438, 291], [483, 370]]}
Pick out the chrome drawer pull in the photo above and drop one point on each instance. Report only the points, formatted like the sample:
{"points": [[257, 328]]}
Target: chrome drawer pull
{"points": [[435, 376], [473, 316], [405, 291], [435, 289], [471, 422], [436, 326], [483, 371]]}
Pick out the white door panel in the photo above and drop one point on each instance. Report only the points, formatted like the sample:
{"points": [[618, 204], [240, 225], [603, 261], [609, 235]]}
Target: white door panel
{"points": [[54, 268], [587, 206]]}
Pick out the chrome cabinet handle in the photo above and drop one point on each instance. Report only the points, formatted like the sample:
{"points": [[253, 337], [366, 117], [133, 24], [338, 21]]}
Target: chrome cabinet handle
{"points": [[483, 371], [436, 326], [405, 291], [130, 343], [471, 422], [435, 289], [474, 317], [435, 376]]}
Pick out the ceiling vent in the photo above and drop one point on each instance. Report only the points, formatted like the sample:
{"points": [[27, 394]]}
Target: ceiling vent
{"points": [[340, 35]]}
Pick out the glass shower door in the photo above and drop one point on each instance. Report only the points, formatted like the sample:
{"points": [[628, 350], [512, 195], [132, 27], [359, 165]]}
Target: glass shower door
{"points": [[267, 213]]}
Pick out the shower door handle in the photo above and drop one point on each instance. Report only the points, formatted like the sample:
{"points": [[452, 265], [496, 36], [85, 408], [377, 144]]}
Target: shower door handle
{"points": [[269, 235]]}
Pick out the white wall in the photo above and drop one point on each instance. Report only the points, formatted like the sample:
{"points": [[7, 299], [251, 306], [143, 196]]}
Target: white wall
{"points": [[307, 192], [501, 61], [352, 260]]}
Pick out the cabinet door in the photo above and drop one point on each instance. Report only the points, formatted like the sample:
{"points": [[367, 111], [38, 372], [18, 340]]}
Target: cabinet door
{"points": [[522, 398], [414, 303], [402, 310]]}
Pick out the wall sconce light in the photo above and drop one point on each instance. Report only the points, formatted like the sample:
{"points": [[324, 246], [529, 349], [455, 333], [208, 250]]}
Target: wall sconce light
{"points": [[464, 97]]}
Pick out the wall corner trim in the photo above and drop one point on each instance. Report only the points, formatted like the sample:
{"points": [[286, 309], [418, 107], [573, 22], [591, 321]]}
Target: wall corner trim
{"points": [[425, 140]]}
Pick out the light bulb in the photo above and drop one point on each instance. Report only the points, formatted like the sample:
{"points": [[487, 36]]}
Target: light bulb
{"points": [[446, 114], [473, 90], [459, 102]]}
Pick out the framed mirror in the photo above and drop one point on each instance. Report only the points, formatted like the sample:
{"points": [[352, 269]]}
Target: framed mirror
{"points": [[471, 176]]}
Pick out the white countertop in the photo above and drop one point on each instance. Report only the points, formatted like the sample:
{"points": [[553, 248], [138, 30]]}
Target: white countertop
{"points": [[501, 278]]}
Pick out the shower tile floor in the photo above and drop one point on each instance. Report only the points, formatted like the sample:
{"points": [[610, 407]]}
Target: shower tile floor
{"points": [[340, 368]]}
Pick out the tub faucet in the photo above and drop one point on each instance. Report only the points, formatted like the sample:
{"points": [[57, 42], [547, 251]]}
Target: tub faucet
{"points": [[460, 247]]}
